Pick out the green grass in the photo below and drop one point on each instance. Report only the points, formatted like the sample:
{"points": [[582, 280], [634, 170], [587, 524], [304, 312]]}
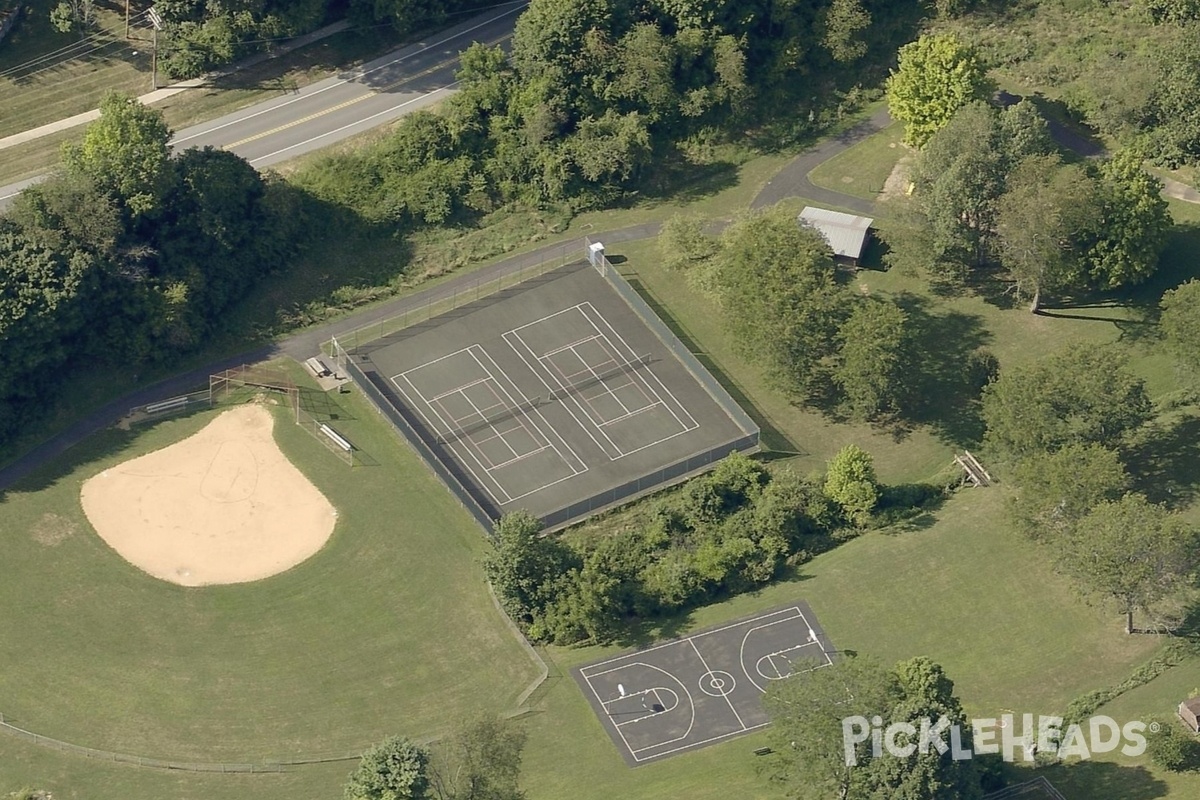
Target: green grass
{"points": [[349, 646], [272, 78], [863, 169], [61, 87], [967, 592]]}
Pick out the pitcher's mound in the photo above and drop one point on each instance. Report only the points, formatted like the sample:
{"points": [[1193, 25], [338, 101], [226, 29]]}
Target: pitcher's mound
{"points": [[222, 506]]}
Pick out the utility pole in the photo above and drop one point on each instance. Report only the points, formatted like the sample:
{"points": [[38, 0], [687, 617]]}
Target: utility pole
{"points": [[127, 19], [157, 22]]}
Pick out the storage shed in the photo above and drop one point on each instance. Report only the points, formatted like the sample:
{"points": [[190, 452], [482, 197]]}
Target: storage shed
{"points": [[846, 234]]}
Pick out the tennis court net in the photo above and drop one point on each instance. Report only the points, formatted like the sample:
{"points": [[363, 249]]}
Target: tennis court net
{"points": [[595, 378], [488, 420]]}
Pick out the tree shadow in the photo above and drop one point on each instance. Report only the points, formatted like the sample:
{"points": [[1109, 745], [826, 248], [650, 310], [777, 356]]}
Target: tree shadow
{"points": [[646, 632], [1093, 778], [675, 179], [948, 373], [1165, 464], [773, 439]]}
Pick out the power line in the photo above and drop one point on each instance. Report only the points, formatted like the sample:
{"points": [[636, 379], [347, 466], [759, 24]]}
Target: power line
{"points": [[63, 54], [123, 46]]}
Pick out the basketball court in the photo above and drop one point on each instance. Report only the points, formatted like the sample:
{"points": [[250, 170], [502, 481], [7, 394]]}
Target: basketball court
{"points": [[688, 693], [552, 396]]}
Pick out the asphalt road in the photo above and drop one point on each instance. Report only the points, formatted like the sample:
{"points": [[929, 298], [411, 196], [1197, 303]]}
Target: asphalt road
{"points": [[322, 113]]}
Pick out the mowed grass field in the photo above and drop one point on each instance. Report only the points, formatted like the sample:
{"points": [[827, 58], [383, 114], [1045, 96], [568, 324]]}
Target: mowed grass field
{"points": [[863, 169], [959, 587], [388, 629]]}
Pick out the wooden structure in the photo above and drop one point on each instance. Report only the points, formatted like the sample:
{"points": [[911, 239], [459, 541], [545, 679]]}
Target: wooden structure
{"points": [[1189, 712], [974, 471]]}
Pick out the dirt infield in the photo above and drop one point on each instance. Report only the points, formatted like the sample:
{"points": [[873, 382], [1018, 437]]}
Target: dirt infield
{"points": [[222, 506]]}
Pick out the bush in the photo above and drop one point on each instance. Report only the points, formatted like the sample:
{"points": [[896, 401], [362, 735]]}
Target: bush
{"points": [[1171, 747]]}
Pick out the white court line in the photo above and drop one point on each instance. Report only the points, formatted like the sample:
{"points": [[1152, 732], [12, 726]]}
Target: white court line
{"points": [[742, 649], [549, 388], [591, 672], [482, 416], [813, 634], [570, 346], [687, 427], [708, 670], [452, 445], [691, 706], [694, 745], [565, 385], [795, 613], [657, 698], [588, 366], [624, 417], [460, 388], [583, 467]]}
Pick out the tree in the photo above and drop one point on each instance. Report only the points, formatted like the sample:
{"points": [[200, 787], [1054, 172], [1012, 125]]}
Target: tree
{"points": [[394, 769], [66, 213], [683, 242], [1045, 210], [1133, 552], [937, 75], [1136, 223], [1056, 490], [480, 760], [1176, 11], [780, 300], [1172, 121], [806, 709], [1082, 394], [959, 178], [845, 20], [1180, 322], [850, 482], [527, 569], [872, 359], [73, 15], [925, 693], [125, 154]]}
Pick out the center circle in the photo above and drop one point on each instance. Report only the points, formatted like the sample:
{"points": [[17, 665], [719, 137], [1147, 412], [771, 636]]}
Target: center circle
{"points": [[717, 683]]}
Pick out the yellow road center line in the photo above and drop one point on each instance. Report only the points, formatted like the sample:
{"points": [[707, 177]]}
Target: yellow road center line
{"points": [[352, 101]]}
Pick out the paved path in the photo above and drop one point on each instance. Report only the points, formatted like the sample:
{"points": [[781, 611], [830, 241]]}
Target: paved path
{"points": [[299, 346], [793, 180]]}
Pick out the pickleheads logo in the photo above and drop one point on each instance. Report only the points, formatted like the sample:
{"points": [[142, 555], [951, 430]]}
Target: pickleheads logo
{"points": [[1099, 734]]}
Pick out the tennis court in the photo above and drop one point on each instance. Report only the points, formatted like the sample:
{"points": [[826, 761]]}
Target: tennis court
{"points": [[552, 396]]}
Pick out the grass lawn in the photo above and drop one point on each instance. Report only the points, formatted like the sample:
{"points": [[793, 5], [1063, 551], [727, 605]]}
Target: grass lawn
{"points": [[1011, 634], [46, 75], [863, 169], [254, 84], [788, 428], [1137, 777], [334, 654]]}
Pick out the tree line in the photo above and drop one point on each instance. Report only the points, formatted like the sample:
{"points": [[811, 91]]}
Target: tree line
{"points": [[128, 256], [738, 527], [989, 188], [600, 99]]}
